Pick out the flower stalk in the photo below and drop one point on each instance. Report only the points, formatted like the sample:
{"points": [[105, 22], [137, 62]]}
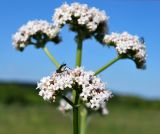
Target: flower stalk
{"points": [[107, 65], [76, 110], [51, 57], [83, 121], [76, 114], [79, 52]]}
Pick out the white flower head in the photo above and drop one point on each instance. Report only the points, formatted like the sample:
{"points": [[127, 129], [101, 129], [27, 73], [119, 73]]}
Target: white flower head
{"points": [[92, 90], [90, 21], [128, 46], [36, 32]]}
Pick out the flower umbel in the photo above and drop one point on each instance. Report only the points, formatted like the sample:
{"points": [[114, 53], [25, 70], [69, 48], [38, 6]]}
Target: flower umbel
{"points": [[90, 21], [128, 46], [36, 32], [92, 91]]}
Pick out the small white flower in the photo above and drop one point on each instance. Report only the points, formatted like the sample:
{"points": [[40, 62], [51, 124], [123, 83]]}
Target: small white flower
{"points": [[47, 95]]}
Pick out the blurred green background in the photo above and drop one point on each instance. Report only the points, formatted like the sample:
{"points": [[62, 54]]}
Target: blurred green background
{"points": [[22, 111]]}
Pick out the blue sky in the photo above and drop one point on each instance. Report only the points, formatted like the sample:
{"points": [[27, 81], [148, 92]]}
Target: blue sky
{"points": [[141, 17]]}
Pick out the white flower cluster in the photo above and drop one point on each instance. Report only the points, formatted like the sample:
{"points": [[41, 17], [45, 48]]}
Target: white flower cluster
{"points": [[34, 28], [64, 106], [128, 46], [50, 86], [103, 109], [92, 91], [84, 16]]}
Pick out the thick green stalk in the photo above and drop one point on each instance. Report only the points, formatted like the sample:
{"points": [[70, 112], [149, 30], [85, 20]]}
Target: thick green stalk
{"points": [[107, 65], [51, 57], [76, 111], [76, 114], [75, 121], [83, 121], [79, 52]]}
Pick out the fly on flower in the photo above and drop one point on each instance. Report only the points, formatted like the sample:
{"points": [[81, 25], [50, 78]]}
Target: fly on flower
{"points": [[62, 68]]}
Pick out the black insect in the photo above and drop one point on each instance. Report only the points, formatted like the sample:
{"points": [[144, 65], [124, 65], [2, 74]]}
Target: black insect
{"points": [[61, 69], [142, 40]]}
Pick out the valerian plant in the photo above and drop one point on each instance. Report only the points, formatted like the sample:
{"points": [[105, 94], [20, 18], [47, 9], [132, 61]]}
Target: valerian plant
{"points": [[81, 91]]}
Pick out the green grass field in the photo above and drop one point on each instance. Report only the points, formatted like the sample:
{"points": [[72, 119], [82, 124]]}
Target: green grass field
{"points": [[128, 115], [47, 120]]}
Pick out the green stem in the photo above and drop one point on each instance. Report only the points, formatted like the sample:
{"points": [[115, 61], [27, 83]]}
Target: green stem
{"points": [[76, 114], [67, 100], [83, 121], [108, 65], [79, 52], [51, 57]]}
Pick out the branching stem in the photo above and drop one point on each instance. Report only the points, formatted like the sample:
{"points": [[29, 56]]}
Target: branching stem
{"points": [[107, 65], [51, 57], [67, 100]]}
